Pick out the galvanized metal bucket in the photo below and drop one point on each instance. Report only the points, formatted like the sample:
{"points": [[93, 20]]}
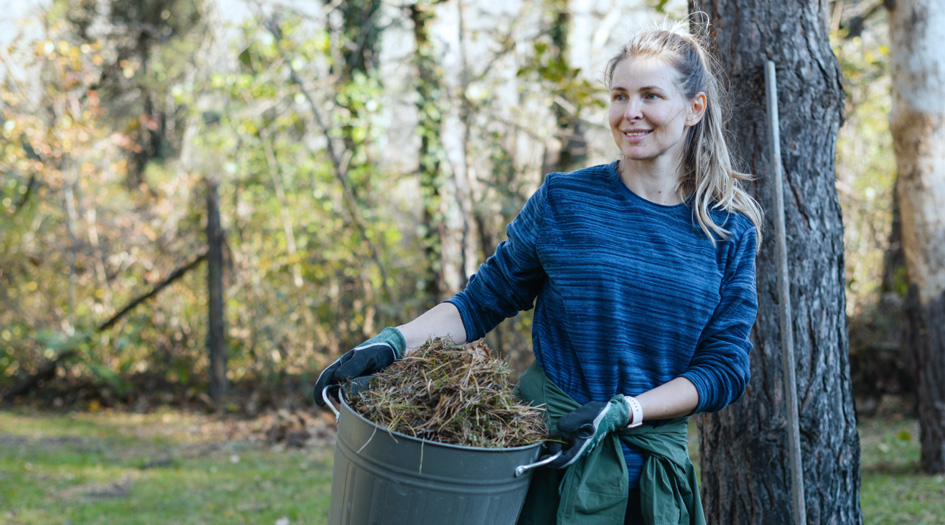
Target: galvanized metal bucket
{"points": [[382, 477]]}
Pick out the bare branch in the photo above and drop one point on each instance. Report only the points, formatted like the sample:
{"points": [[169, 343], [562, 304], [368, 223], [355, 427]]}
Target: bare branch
{"points": [[338, 167], [48, 370]]}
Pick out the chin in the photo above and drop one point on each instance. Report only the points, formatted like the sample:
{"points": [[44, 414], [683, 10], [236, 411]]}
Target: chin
{"points": [[639, 156]]}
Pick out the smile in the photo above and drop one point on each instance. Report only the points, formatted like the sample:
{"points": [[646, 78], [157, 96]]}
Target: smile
{"points": [[633, 137]]}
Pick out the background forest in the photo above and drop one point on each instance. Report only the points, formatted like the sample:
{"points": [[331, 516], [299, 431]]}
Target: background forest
{"points": [[363, 157], [204, 202]]}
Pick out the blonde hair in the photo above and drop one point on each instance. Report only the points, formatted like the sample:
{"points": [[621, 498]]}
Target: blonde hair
{"points": [[709, 181]]}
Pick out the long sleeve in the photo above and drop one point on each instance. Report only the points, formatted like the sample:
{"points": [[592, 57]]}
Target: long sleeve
{"points": [[720, 366], [510, 280]]}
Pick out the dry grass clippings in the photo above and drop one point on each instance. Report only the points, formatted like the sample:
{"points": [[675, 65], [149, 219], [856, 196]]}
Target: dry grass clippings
{"points": [[459, 396]]}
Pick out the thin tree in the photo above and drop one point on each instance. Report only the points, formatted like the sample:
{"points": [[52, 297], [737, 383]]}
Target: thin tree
{"points": [[431, 168], [572, 152], [745, 463], [917, 123]]}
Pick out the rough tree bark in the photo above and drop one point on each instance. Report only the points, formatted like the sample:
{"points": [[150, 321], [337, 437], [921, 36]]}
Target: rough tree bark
{"points": [[745, 463], [917, 122]]}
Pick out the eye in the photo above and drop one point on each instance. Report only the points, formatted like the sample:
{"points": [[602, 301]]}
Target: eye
{"points": [[652, 96], [618, 97]]}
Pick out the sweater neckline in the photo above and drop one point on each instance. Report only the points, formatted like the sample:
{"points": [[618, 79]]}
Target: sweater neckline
{"points": [[622, 187]]}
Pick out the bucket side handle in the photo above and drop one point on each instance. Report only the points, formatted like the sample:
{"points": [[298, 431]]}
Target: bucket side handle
{"points": [[521, 469], [327, 400]]}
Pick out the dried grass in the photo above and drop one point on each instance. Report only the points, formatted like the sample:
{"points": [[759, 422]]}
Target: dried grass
{"points": [[460, 396]]}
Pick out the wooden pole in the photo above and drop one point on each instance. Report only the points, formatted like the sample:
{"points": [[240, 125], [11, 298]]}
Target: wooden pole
{"points": [[784, 292], [216, 333]]}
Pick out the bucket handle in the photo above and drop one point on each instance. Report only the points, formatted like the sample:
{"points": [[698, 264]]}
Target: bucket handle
{"points": [[328, 402], [540, 463]]}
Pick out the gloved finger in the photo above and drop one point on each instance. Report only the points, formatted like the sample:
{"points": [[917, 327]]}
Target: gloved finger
{"points": [[552, 445], [577, 446], [577, 429], [326, 378], [568, 456], [571, 421], [364, 362], [580, 442], [356, 385]]}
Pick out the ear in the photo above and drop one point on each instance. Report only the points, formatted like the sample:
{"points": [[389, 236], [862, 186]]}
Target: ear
{"points": [[696, 109]]}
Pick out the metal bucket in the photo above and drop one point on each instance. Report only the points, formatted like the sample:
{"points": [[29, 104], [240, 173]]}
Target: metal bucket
{"points": [[384, 477]]}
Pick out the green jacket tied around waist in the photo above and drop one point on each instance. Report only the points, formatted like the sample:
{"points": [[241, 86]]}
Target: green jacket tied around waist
{"points": [[594, 489]]}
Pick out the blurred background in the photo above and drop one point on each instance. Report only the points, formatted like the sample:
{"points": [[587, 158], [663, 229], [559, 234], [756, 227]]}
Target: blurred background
{"points": [[204, 202]]}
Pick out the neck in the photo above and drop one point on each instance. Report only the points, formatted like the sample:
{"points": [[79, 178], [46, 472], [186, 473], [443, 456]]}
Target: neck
{"points": [[657, 184]]}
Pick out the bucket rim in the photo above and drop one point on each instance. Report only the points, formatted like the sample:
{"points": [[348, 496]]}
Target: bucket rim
{"points": [[398, 435]]}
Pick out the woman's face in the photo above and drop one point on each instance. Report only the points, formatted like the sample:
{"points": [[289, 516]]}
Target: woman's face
{"points": [[649, 115]]}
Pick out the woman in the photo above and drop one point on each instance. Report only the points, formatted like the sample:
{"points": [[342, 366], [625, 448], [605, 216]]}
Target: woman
{"points": [[642, 275]]}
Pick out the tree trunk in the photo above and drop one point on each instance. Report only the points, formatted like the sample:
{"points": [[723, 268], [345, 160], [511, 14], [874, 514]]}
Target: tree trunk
{"points": [[917, 122], [744, 448], [430, 121], [461, 170], [894, 260], [358, 40], [363, 32], [216, 341], [571, 151], [275, 172]]}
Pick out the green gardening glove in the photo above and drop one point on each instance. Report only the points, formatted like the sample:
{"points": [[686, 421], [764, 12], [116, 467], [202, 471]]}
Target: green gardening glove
{"points": [[588, 425], [373, 355]]}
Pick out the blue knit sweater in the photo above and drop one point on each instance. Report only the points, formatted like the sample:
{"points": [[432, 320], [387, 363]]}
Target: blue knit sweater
{"points": [[628, 294]]}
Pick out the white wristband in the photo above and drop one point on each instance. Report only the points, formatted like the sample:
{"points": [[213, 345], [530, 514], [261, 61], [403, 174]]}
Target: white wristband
{"points": [[636, 412]]}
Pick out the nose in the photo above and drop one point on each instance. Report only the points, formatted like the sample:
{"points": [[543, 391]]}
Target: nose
{"points": [[633, 109]]}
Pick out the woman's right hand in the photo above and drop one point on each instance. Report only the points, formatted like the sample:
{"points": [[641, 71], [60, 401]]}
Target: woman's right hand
{"points": [[369, 357]]}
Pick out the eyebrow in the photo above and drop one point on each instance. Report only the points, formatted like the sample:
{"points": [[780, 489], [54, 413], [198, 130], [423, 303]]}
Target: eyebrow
{"points": [[642, 88]]}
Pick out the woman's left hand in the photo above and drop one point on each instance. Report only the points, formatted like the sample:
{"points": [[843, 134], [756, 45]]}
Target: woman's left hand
{"points": [[588, 425]]}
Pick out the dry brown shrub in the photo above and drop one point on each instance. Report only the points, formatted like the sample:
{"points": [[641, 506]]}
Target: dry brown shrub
{"points": [[459, 396]]}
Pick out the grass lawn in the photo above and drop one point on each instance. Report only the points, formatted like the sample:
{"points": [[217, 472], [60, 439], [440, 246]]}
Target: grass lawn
{"points": [[165, 467], [893, 490], [173, 467]]}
